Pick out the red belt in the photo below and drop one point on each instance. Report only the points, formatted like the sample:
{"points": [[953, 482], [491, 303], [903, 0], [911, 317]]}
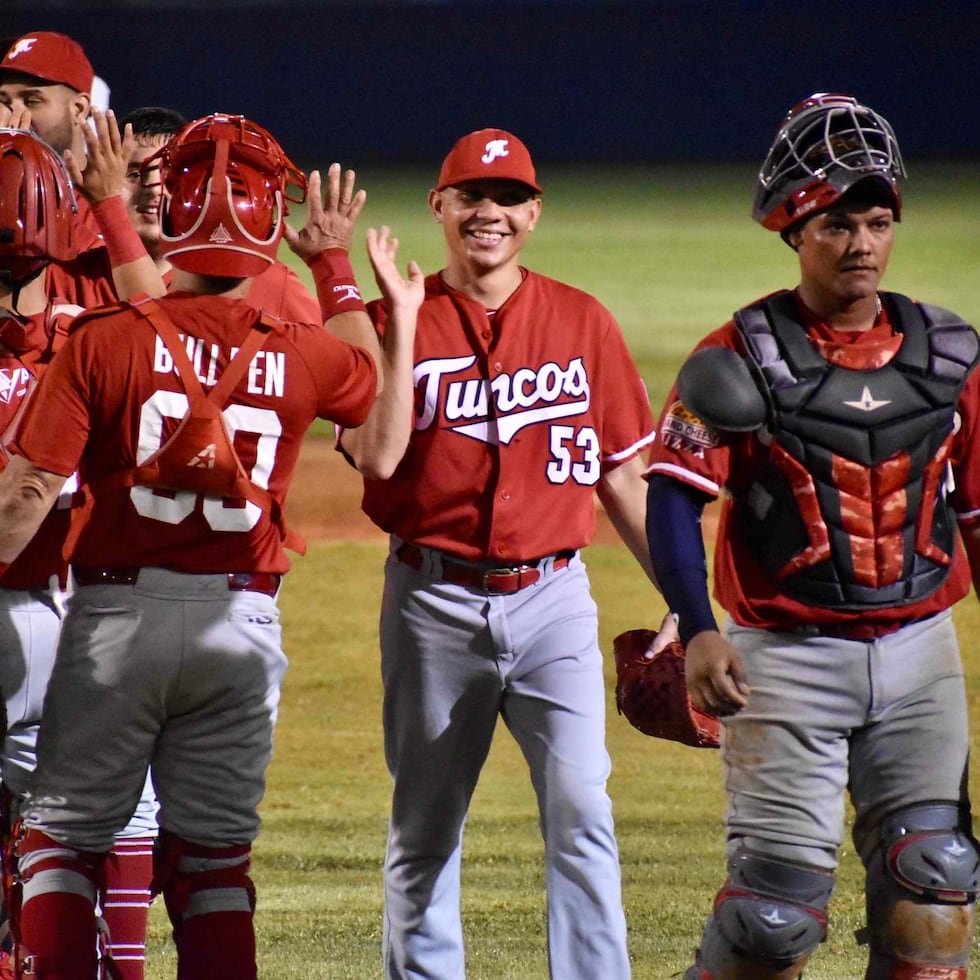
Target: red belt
{"points": [[264, 582], [864, 632], [492, 581]]}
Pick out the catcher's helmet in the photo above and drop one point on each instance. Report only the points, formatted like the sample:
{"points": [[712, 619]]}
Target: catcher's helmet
{"points": [[37, 207], [225, 183], [825, 145]]}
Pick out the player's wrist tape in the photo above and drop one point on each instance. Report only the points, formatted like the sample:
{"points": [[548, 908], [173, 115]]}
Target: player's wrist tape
{"points": [[336, 287], [121, 240]]}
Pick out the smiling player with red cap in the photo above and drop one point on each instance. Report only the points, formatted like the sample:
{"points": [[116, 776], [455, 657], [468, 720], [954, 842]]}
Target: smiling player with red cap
{"points": [[46, 84], [526, 403]]}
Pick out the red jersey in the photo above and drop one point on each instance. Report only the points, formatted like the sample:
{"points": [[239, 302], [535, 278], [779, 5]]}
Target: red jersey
{"points": [[87, 280], [279, 291], [20, 343], [111, 398], [693, 452], [518, 415]]}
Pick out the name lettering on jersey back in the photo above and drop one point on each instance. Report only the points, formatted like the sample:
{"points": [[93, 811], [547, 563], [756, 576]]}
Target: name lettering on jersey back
{"points": [[526, 397], [266, 373]]}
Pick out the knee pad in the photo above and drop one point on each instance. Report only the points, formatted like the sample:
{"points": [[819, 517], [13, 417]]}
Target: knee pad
{"points": [[922, 883], [771, 908], [929, 853], [198, 880]]}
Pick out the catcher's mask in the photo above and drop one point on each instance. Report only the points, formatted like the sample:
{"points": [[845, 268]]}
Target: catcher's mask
{"points": [[225, 184], [825, 145], [37, 208]]}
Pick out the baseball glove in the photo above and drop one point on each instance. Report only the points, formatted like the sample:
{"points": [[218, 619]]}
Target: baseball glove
{"points": [[652, 694]]}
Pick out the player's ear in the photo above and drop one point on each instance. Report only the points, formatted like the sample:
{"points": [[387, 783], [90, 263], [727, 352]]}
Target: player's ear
{"points": [[81, 107], [435, 205], [535, 213]]}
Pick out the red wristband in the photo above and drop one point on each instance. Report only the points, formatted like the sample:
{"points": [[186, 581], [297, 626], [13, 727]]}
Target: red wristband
{"points": [[118, 233], [336, 288]]}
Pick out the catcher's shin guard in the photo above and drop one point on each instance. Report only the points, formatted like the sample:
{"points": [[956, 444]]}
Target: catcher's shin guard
{"points": [[210, 899], [52, 910], [768, 918], [923, 874], [126, 904]]}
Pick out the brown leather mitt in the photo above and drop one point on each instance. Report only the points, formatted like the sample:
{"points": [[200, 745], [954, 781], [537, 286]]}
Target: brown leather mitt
{"points": [[652, 694]]}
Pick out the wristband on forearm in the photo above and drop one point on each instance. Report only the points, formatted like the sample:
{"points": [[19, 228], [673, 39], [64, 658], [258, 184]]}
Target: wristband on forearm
{"points": [[120, 237], [336, 287]]}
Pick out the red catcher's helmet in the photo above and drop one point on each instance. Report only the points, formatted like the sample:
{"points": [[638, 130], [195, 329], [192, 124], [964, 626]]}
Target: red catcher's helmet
{"points": [[225, 182], [37, 207], [825, 145]]}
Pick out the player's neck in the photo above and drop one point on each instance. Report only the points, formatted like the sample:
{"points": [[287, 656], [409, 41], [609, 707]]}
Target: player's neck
{"points": [[191, 282], [852, 316], [491, 288], [31, 300], [161, 262]]}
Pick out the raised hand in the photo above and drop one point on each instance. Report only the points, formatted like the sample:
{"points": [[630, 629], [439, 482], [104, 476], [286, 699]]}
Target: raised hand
{"points": [[398, 292], [331, 218], [107, 158]]}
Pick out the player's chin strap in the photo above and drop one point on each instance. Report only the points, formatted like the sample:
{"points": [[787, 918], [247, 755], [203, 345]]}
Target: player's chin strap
{"points": [[200, 455]]}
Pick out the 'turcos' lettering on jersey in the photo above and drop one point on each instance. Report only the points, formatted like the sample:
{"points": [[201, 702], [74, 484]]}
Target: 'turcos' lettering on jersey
{"points": [[526, 397], [266, 373]]}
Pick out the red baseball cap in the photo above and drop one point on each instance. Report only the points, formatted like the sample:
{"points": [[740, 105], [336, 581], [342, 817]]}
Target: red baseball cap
{"points": [[55, 58], [488, 154]]}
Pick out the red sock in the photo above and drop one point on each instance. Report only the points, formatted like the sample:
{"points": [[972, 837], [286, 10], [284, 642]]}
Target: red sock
{"points": [[128, 871], [217, 946]]}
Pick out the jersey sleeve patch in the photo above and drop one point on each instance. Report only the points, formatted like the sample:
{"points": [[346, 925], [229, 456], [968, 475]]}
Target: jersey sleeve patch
{"points": [[681, 430]]}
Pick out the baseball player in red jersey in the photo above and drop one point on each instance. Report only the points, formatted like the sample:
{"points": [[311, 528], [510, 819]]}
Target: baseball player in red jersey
{"points": [[170, 655], [276, 289], [526, 403], [38, 209], [49, 75], [842, 424]]}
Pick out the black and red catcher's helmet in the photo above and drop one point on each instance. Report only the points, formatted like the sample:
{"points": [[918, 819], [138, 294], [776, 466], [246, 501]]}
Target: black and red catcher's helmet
{"points": [[38, 211], [225, 184], [824, 146]]}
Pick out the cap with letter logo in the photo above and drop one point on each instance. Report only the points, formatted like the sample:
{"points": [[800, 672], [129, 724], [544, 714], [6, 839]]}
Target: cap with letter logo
{"points": [[488, 154], [54, 58]]}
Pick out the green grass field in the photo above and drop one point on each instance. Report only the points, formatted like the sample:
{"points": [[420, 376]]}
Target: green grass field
{"points": [[672, 253]]}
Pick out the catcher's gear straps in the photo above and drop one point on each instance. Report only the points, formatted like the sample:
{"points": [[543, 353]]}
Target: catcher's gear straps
{"points": [[176, 464], [210, 900], [52, 907], [772, 908]]}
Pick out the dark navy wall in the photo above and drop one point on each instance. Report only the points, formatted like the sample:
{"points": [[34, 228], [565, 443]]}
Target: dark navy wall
{"points": [[618, 81]]}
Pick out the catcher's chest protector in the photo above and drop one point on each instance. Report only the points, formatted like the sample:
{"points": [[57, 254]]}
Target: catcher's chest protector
{"points": [[852, 510]]}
